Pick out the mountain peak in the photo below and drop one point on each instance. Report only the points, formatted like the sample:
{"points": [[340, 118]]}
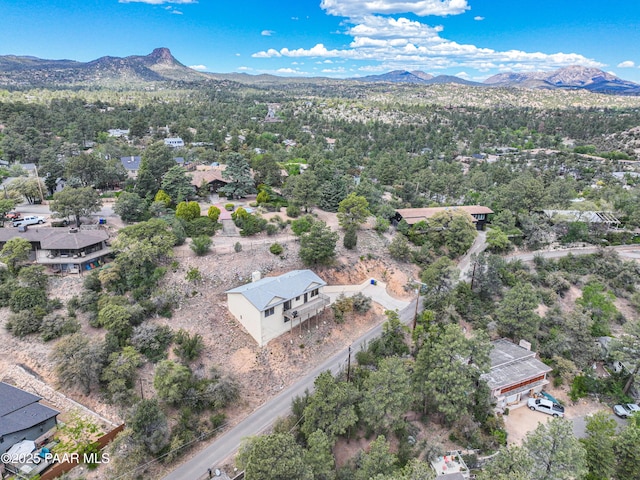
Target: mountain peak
{"points": [[162, 56]]}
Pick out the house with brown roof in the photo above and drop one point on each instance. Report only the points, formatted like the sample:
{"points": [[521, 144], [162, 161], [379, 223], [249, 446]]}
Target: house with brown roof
{"points": [[211, 176], [412, 216], [70, 250]]}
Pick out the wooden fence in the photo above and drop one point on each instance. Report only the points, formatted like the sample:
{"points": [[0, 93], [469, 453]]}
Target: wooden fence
{"points": [[60, 468]]}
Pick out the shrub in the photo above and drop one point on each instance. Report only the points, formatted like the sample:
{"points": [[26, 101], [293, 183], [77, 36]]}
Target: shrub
{"points": [[237, 247], [200, 226], [350, 239], [193, 275], [55, 326], [382, 224], [276, 249], [213, 213], [302, 225], [27, 298], [189, 347], [92, 282], [188, 210], [201, 245], [24, 322], [229, 207], [293, 211], [152, 340], [272, 229], [361, 303], [251, 225]]}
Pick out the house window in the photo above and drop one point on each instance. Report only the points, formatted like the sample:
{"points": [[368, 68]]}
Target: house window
{"points": [[268, 312], [297, 298], [314, 293], [287, 305], [480, 216]]}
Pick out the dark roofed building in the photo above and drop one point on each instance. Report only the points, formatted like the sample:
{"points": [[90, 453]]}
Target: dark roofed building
{"points": [[131, 164], [64, 250], [412, 216], [22, 417]]}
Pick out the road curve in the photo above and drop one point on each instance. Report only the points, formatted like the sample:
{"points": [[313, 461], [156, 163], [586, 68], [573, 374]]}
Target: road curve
{"points": [[221, 448]]}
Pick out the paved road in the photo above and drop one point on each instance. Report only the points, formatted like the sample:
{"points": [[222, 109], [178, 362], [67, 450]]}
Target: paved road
{"points": [[627, 251], [580, 424], [226, 445], [479, 245]]}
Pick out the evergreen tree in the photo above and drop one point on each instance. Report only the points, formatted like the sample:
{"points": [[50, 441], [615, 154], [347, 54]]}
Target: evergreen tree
{"points": [[238, 176]]}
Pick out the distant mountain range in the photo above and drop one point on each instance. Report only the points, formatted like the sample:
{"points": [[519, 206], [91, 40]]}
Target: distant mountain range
{"points": [[160, 66], [573, 77]]}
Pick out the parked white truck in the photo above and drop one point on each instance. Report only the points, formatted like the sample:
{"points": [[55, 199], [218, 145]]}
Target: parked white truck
{"points": [[28, 220]]}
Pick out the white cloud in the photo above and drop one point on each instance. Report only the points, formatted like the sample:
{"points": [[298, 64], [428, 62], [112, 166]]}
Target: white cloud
{"points": [[198, 67], [626, 64], [294, 18], [334, 70], [160, 2], [245, 68], [290, 71], [176, 12], [267, 33], [402, 43], [237, 54], [423, 8], [464, 75], [478, 18]]}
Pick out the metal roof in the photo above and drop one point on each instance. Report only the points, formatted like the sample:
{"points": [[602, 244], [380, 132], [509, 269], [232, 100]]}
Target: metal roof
{"points": [[271, 291]]}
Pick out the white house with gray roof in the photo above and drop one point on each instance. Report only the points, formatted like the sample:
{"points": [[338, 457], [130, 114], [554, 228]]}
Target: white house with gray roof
{"points": [[269, 307]]}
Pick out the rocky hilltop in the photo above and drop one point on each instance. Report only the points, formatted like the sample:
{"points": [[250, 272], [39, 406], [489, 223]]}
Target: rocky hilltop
{"points": [[159, 65]]}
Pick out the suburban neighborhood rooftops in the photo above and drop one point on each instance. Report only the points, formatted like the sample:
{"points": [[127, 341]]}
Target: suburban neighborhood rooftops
{"points": [[414, 215], [274, 290], [51, 238]]}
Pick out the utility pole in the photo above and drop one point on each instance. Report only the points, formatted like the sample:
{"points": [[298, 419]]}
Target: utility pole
{"points": [[349, 366]]}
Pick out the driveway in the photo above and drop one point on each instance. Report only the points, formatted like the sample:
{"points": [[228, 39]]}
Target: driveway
{"points": [[377, 292]]}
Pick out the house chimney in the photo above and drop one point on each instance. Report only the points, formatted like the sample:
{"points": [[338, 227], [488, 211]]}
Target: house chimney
{"points": [[255, 276], [525, 344]]}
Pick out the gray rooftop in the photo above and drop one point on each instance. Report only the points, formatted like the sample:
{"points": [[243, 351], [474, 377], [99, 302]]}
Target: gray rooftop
{"points": [[20, 410], [511, 363], [52, 238], [131, 162], [274, 290]]}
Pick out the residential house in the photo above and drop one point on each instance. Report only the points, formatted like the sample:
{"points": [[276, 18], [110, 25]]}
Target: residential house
{"points": [[22, 417], [131, 164], [174, 142], [515, 373], [412, 216], [64, 250], [271, 306], [212, 176], [118, 132]]}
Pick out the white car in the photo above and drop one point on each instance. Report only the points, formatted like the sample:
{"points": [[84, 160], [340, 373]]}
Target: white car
{"points": [[632, 407], [546, 406], [621, 411], [28, 220]]}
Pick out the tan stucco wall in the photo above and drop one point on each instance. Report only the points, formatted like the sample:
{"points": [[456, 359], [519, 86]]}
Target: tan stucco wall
{"points": [[246, 314]]}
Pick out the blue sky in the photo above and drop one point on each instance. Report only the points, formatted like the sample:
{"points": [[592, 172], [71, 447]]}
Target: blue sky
{"points": [[473, 39]]}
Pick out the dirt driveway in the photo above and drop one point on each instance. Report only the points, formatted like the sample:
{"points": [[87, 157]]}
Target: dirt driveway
{"points": [[521, 421]]}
